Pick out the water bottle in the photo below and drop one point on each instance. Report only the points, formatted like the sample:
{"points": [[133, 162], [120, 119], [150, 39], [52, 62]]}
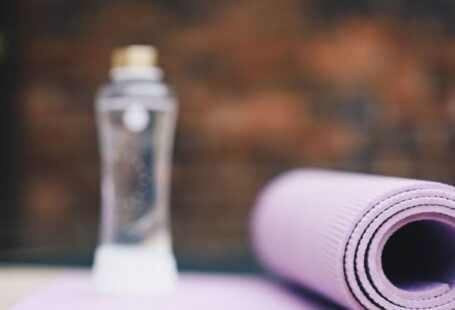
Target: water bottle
{"points": [[136, 114]]}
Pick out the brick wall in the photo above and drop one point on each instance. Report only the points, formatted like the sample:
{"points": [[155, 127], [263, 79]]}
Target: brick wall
{"points": [[264, 86]]}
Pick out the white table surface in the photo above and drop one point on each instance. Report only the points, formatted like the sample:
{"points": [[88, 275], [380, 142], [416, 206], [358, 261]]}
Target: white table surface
{"points": [[16, 282]]}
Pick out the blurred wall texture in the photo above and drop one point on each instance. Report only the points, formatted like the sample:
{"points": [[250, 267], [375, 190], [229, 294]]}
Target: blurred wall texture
{"points": [[264, 86]]}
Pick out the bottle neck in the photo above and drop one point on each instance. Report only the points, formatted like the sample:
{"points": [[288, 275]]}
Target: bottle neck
{"points": [[133, 73]]}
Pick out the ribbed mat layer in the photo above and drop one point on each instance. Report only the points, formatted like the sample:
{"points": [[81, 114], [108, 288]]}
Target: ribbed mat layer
{"points": [[366, 242]]}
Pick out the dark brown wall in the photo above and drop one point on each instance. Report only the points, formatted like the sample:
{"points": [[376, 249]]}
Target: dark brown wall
{"points": [[264, 86]]}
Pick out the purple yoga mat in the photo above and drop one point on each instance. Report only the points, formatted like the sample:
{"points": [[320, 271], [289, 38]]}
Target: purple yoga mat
{"points": [[195, 291], [362, 241]]}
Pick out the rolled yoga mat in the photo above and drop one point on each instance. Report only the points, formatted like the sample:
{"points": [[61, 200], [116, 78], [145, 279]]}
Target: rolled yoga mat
{"points": [[365, 242]]}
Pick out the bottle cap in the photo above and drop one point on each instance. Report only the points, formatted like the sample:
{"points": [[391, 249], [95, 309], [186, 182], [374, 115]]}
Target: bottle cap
{"points": [[134, 56]]}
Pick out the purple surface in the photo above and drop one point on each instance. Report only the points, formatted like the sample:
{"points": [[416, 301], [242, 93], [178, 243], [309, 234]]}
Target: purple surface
{"points": [[74, 291], [363, 241]]}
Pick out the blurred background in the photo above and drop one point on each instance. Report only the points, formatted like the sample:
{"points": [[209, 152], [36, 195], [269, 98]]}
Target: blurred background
{"points": [[264, 86]]}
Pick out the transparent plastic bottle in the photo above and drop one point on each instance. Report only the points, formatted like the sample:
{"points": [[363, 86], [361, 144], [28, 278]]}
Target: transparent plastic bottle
{"points": [[136, 115]]}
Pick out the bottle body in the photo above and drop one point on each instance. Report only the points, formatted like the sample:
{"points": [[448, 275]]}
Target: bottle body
{"points": [[136, 116], [135, 135]]}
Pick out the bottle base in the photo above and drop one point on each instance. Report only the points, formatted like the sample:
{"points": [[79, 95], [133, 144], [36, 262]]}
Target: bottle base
{"points": [[134, 270]]}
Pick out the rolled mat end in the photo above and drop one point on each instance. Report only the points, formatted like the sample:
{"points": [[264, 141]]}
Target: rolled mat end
{"points": [[364, 241]]}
